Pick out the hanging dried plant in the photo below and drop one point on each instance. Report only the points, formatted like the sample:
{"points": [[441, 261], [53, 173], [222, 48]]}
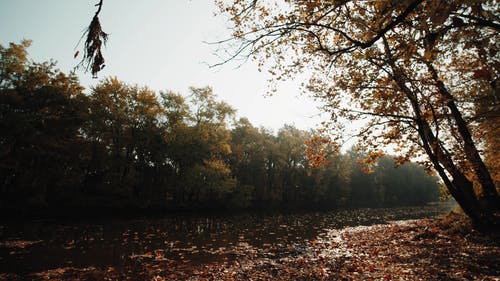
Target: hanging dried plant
{"points": [[93, 59]]}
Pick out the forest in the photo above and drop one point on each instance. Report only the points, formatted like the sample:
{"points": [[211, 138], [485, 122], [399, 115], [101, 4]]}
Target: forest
{"points": [[112, 180], [122, 146]]}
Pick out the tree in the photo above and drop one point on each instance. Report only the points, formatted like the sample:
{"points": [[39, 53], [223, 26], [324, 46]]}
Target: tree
{"points": [[407, 184], [291, 145], [209, 174], [199, 145], [247, 163], [395, 66], [41, 112], [110, 129]]}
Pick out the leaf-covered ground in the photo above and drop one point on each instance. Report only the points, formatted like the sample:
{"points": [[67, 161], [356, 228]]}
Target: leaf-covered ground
{"points": [[402, 250]]}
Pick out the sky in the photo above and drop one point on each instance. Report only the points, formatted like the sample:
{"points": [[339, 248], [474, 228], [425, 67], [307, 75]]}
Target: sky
{"points": [[159, 44]]}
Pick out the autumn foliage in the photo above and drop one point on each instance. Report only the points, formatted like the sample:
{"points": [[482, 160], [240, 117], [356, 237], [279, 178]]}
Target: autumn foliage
{"points": [[420, 77]]}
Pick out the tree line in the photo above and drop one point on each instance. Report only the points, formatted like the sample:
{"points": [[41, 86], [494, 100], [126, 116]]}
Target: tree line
{"points": [[121, 145]]}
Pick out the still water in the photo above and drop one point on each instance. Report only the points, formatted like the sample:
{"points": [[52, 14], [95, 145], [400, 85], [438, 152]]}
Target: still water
{"points": [[40, 245]]}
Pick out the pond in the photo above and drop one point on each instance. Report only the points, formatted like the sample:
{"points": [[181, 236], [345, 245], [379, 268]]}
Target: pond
{"points": [[36, 246]]}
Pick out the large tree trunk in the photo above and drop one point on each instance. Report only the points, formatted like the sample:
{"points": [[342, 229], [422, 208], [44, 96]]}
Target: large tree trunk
{"points": [[460, 187], [489, 192]]}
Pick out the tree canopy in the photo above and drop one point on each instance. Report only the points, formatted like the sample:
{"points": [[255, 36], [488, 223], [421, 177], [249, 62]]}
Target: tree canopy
{"points": [[119, 146], [422, 76]]}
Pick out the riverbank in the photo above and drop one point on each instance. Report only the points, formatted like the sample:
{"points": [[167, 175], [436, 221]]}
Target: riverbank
{"points": [[402, 250], [425, 249]]}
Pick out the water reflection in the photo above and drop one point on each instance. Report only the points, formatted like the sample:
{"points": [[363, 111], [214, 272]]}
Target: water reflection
{"points": [[176, 239]]}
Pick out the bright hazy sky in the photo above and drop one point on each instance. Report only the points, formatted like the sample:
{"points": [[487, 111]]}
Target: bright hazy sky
{"points": [[155, 43]]}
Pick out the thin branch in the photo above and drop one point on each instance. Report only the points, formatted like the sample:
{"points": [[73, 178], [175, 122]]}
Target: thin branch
{"points": [[250, 44], [98, 9], [480, 21], [385, 115]]}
